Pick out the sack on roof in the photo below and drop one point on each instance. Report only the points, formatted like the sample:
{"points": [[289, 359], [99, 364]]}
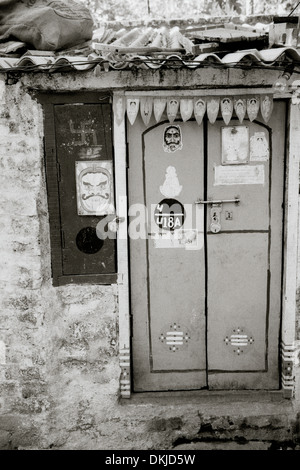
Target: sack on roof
{"points": [[45, 25]]}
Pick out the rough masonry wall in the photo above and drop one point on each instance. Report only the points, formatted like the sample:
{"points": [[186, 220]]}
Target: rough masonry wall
{"points": [[58, 346]]}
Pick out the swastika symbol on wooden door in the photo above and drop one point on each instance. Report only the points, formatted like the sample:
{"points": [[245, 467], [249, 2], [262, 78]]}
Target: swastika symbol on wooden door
{"points": [[239, 340], [175, 337]]}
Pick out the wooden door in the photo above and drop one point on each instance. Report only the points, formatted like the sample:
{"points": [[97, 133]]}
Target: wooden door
{"points": [[205, 294], [85, 163]]}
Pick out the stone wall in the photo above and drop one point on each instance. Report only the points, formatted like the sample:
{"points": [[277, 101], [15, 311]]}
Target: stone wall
{"points": [[58, 346]]}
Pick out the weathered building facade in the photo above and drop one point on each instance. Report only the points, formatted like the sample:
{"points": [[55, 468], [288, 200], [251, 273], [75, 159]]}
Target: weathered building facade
{"points": [[171, 340]]}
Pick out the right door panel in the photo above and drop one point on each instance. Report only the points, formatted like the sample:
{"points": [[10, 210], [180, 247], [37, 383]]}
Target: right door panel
{"points": [[244, 246]]}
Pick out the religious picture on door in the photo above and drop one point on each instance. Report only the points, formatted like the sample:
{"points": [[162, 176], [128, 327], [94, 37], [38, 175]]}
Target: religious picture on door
{"points": [[94, 187], [235, 145], [172, 140]]}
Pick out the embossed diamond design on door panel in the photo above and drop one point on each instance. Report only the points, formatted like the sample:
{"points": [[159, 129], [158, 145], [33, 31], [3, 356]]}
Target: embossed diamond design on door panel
{"points": [[238, 341]]}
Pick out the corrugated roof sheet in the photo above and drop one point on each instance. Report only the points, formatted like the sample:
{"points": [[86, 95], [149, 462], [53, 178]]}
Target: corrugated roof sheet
{"points": [[148, 47]]}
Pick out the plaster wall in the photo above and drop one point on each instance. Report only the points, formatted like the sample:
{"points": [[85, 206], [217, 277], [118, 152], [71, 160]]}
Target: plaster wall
{"points": [[59, 370]]}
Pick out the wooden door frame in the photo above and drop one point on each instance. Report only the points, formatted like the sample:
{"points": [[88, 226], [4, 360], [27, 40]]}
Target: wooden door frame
{"points": [[290, 229]]}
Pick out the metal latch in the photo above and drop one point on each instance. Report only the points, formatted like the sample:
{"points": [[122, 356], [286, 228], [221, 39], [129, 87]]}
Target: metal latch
{"points": [[236, 200], [215, 218], [215, 211]]}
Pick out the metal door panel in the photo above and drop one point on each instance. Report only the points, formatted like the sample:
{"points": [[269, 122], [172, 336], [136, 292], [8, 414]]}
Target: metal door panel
{"points": [[252, 212], [237, 301], [169, 315], [244, 265]]}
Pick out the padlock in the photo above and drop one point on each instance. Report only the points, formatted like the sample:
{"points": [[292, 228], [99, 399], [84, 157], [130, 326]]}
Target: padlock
{"points": [[215, 227], [215, 212]]}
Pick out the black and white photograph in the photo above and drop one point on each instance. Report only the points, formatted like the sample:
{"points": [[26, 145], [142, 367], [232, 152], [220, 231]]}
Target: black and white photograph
{"points": [[150, 229]]}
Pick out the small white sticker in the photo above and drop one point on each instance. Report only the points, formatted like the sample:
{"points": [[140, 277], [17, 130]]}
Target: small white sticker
{"points": [[248, 174], [165, 240], [187, 239], [259, 147], [171, 187]]}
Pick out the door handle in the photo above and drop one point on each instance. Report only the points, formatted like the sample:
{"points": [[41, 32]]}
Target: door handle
{"points": [[215, 212], [236, 200]]}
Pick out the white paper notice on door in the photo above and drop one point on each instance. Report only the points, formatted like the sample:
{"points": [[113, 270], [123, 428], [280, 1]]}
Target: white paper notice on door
{"points": [[187, 239], [246, 174]]}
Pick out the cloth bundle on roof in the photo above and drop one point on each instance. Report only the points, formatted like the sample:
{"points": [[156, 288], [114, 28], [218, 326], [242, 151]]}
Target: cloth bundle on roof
{"points": [[44, 24]]}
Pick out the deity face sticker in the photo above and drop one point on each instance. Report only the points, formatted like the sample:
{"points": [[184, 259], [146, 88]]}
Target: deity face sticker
{"points": [[94, 190], [132, 109], [240, 108], [199, 109], [252, 108], [266, 107], [259, 147], [172, 139], [226, 109]]}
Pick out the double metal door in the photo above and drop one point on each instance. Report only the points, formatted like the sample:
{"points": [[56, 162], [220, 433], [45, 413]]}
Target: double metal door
{"points": [[206, 211]]}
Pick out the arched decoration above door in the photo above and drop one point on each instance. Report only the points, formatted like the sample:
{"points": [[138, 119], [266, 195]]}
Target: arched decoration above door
{"points": [[188, 107]]}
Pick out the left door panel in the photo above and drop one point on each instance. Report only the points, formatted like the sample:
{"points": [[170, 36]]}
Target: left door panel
{"points": [[166, 176]]}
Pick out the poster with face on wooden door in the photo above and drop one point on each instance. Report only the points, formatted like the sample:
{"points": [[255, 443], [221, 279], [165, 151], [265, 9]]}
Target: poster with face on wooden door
{"points": [[206, 278]]}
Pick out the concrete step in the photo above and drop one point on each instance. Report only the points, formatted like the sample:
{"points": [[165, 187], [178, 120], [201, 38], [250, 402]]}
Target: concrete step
{"points": [[224, 420]]}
